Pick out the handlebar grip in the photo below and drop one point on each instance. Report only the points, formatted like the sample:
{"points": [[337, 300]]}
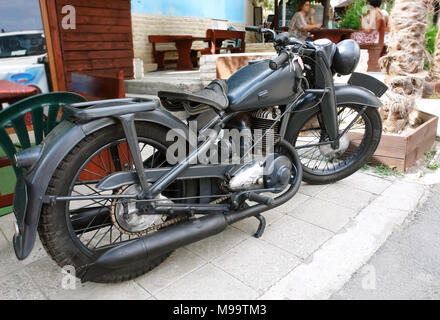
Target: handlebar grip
{"points": [[253, 29], [278, 61]]}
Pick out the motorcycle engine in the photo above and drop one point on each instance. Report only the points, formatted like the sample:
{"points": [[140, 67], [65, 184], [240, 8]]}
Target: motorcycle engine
{"points": [[272, 171]]}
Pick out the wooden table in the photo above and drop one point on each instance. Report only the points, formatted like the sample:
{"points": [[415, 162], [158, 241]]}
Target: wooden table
{"points": [[334, 35], [11, 92], [218, 36], [183, 44]]}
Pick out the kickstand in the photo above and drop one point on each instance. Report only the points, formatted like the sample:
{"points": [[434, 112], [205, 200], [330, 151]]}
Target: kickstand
{"points": [[261, 227]]}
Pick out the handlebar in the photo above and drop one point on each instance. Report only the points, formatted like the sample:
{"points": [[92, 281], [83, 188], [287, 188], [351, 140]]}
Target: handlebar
{"points": [[260, 30], [253, 29], [276, 62], [281, 41]]}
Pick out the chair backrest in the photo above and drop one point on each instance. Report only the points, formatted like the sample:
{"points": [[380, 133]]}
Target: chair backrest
{"points": [[381, 29], [99, 87], [46, 111]]}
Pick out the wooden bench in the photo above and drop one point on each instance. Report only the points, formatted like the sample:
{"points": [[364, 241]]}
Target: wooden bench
{"points": [[99, 87], [187, 57]]}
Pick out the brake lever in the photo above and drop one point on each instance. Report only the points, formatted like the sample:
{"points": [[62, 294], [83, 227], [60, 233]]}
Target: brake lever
{"points": [[292, 59]]}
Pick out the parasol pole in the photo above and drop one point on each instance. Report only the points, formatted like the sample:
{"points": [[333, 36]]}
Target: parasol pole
{"points": [[284, 13]]}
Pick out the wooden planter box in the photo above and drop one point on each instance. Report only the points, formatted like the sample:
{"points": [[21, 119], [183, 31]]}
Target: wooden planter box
{"points": [[402, 151]]}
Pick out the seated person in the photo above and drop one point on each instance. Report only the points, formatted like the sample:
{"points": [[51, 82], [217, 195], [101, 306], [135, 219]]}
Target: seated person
{"points": [[370, 24], [300, 24]]}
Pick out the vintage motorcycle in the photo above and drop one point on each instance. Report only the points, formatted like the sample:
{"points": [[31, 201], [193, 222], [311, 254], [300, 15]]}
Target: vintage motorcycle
{"points": [[106, 196]]}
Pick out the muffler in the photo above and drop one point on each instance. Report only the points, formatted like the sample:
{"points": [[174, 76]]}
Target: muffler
{"points": [[154, 245]]}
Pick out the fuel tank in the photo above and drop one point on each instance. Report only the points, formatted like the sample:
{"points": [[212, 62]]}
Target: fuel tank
{"points": [[257, 86]]}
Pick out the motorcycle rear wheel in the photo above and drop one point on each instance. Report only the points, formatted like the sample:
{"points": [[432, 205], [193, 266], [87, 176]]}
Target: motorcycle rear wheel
{"points": [[87, 164], [320, 166]]}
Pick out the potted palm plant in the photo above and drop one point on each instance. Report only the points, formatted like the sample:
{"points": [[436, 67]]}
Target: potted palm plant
{"points": [[407, 133]]}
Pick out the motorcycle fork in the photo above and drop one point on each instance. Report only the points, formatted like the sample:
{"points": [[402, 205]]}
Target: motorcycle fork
{"points": [[328, 103]]}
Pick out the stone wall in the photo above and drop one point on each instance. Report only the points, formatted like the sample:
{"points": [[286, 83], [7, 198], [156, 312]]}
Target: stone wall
{"points": [[145, 25]]}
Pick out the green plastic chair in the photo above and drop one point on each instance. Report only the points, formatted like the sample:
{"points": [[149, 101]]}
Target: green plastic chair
{"points": [[14, 116]]}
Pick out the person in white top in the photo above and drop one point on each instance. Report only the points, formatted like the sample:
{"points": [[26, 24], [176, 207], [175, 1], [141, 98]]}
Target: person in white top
{"points": [[369, 32]]}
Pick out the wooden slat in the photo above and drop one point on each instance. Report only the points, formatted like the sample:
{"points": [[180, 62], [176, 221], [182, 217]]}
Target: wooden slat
{"points": [[399, 164], [102, 37], [101, 29], [6, 200], [98, 64], [111, 21], [4, 162], [98, 12], [104, 4], [392, 146], [418, 152], [82, 55], [96, 46], [423, 133]]}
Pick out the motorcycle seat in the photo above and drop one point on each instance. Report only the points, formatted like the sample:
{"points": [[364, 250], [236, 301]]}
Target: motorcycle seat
{"points": [[213, 95]]}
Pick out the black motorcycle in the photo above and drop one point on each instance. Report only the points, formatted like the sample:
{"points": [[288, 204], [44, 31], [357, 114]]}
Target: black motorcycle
{"points": [[120, 184]]}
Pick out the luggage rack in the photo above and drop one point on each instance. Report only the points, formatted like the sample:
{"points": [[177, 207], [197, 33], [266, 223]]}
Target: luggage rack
{"points": [[86, 111]]}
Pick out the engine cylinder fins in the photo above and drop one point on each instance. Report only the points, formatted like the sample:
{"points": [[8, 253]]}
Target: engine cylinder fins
{"points": [[262, 121]]}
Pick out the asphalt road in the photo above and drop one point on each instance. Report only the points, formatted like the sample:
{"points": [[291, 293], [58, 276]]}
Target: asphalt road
{"points": [[407, 266]]}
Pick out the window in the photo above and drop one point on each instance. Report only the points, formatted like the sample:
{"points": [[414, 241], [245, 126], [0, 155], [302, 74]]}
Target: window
{"points": [[22, 45]]}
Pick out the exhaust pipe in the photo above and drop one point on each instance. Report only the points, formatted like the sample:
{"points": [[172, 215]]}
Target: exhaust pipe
{"points": [[154, 245], [166, 240]]}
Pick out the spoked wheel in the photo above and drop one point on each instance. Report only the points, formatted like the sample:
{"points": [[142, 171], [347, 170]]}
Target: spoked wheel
{"points": [[361, 130], [76, 232]]}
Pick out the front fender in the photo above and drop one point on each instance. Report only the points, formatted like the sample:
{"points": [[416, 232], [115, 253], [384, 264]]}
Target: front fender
{"points": [[350, 94], [32, 185]]}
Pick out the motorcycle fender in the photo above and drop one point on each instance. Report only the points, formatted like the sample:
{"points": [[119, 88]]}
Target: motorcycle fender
{"points": [[32, 185], [350, 94]]}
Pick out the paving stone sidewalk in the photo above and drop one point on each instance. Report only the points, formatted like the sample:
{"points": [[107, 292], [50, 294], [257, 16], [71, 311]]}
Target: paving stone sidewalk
{"points": [[233, 264]]}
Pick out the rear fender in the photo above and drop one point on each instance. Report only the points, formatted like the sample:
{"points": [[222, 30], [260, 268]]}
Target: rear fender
{"points": [[32, 185]]}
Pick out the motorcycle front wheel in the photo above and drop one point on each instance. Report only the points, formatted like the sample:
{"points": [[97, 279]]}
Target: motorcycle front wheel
{"points": [[362, 130], [77, 232]]}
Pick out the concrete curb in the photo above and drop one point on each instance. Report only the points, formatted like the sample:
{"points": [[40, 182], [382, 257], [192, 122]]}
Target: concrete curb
{"points": [[333, 265]]}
